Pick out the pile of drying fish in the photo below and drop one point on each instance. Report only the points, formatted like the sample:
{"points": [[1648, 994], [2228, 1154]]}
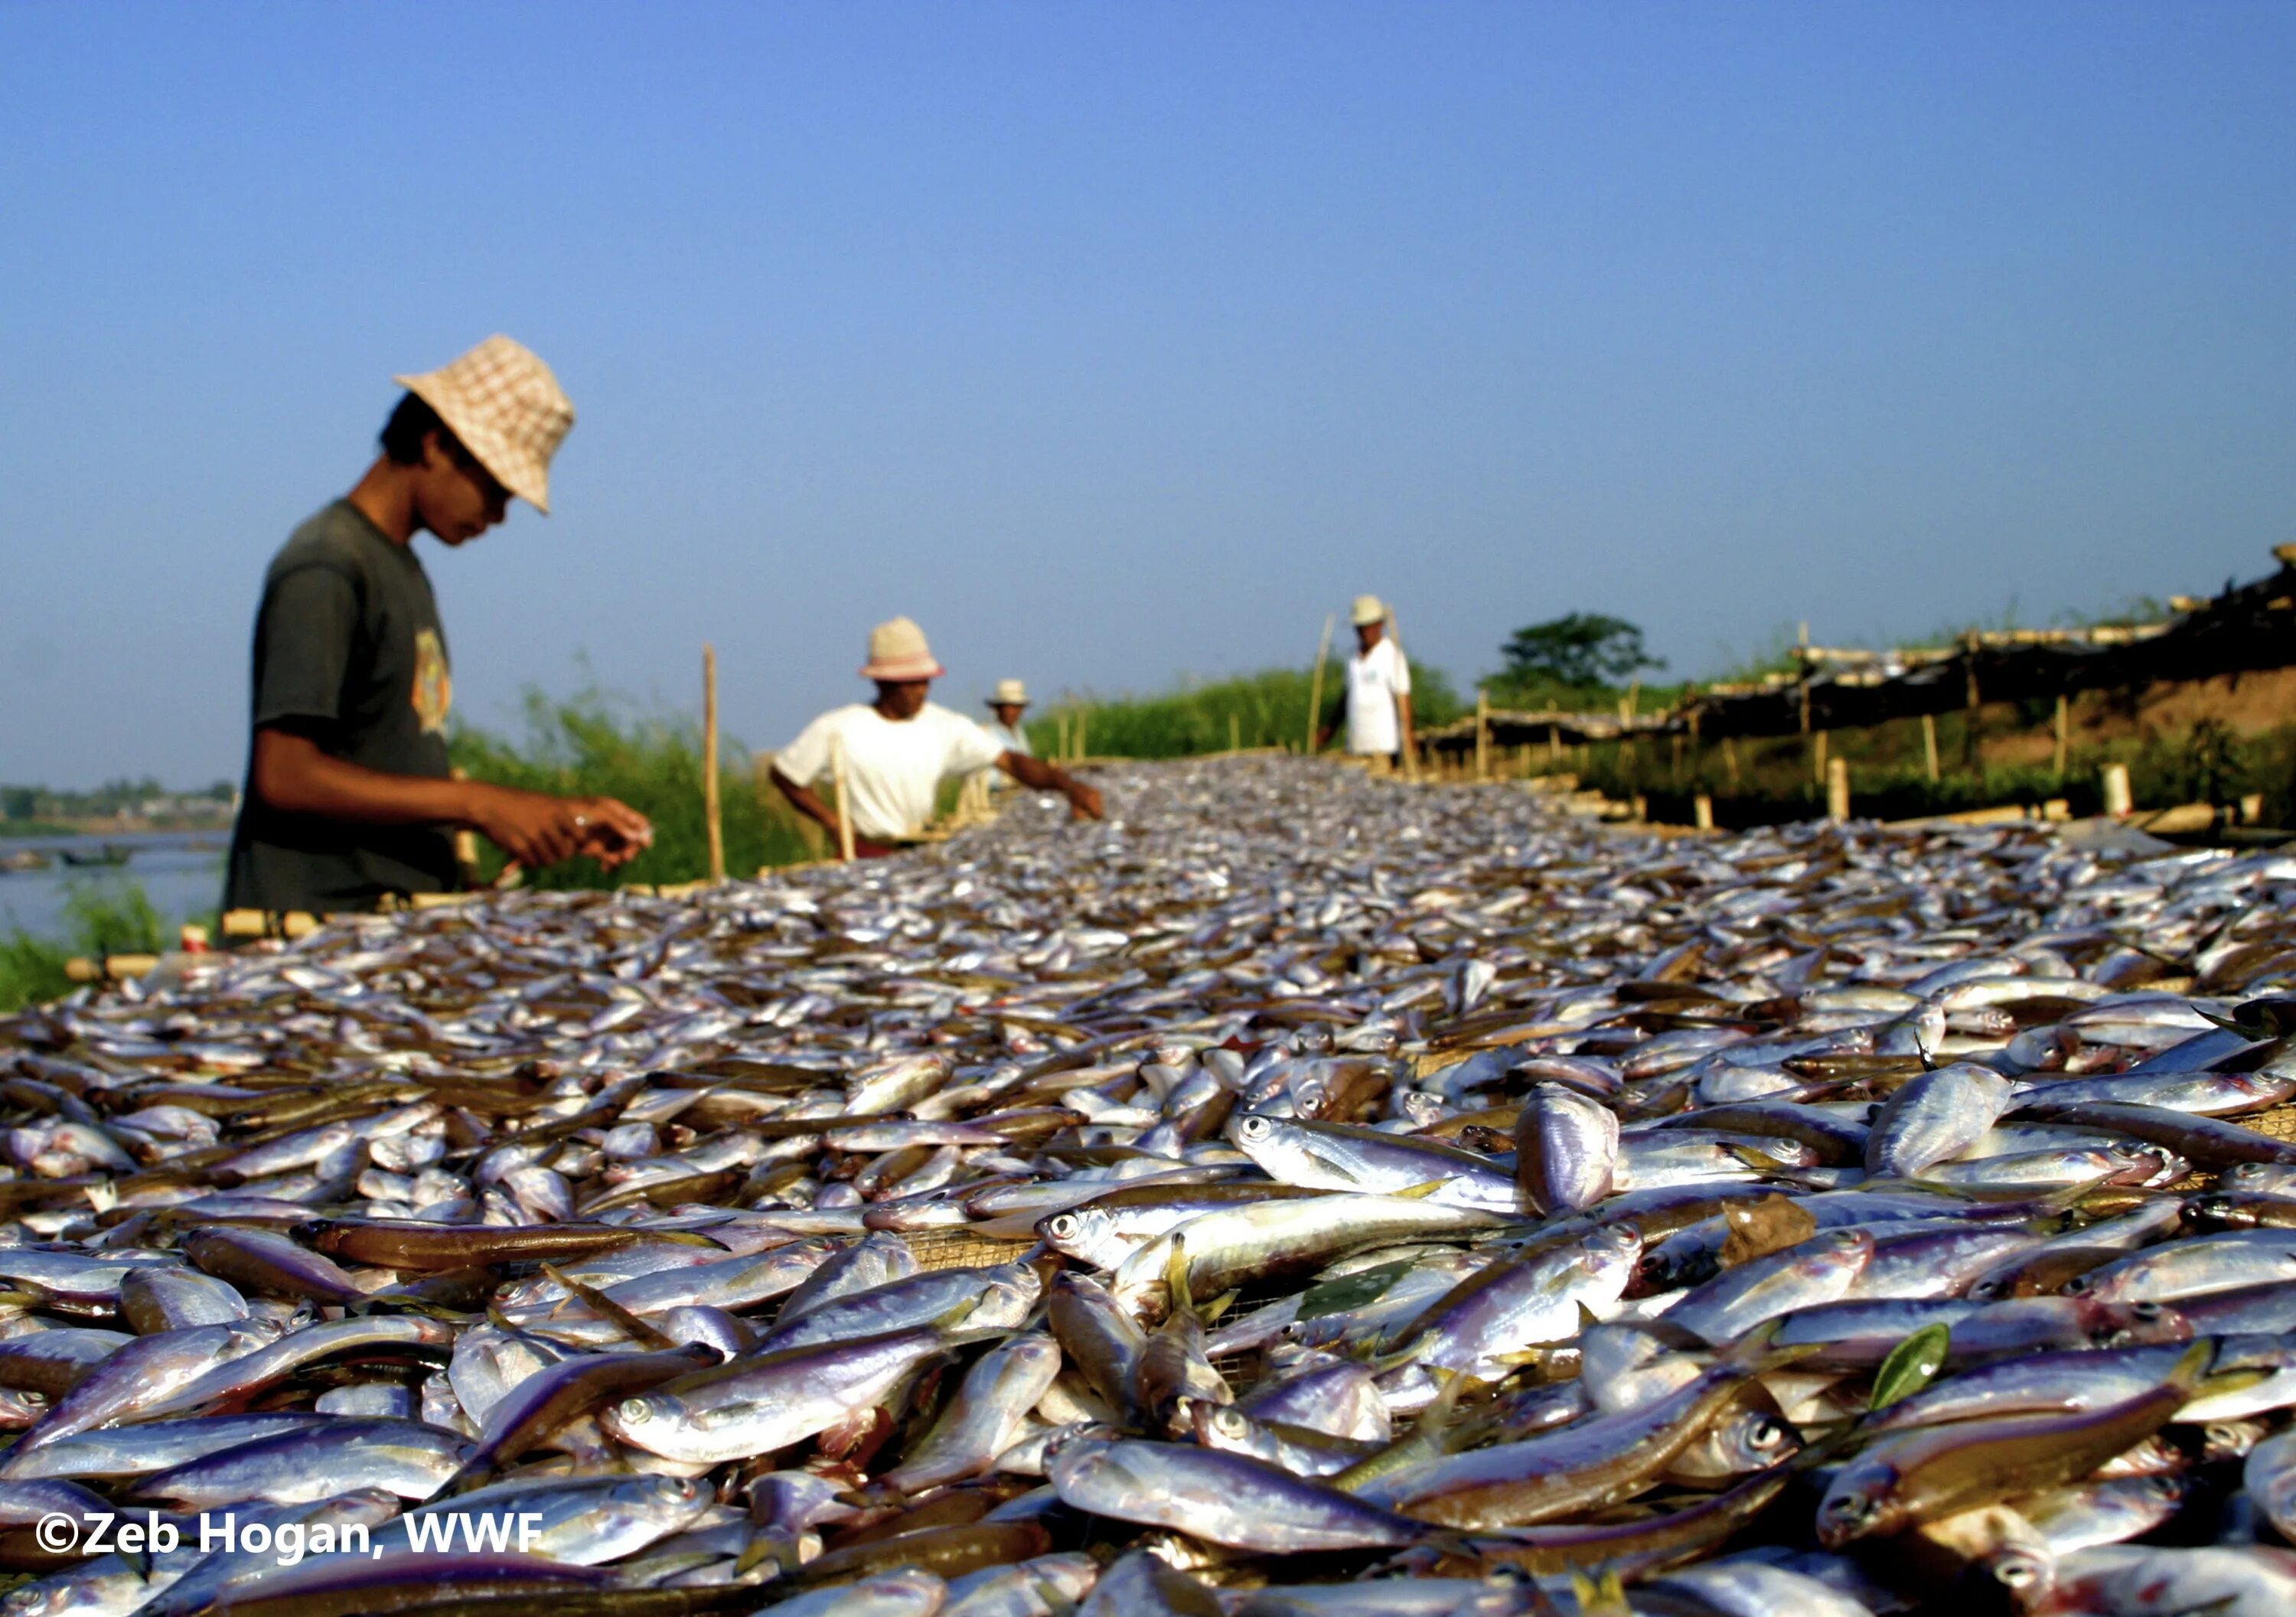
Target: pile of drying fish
{"points": [[1298, 1194]]}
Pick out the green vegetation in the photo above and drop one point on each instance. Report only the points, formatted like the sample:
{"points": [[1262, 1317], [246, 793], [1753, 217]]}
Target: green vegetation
{"points": [[593, 745], [1888, 779], [104, 917], [1574, 662], [1269, 710]]}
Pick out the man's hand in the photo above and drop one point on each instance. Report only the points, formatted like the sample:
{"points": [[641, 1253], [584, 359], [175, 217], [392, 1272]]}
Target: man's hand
{"points": [[1084, 802], [537, 829], [614, 833]]}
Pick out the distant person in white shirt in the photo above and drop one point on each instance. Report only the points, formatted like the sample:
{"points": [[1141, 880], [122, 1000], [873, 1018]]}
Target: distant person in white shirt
{"points": [[1378, 687], [1006, 705], [898, 749]]}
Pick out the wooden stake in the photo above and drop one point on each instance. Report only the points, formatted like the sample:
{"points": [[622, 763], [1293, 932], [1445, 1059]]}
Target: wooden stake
{"points": [[1837, 788], [1970, 755], [1817, 758], [1553, 744], [1929, 744], [1315, 685], [1730, 760], [2117, 801], [1081, 715], [2064, 729], [1701, 812], [1482, 735], [1062, 745], [709, 762], [844, 813]]}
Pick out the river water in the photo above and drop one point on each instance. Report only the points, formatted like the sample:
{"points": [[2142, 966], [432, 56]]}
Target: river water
{"points": [[180, 872]]}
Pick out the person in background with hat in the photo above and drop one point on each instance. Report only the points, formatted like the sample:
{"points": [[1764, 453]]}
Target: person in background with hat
{"points": [[1006, 705], [348, 797], [899, 747], [1378, 687]]}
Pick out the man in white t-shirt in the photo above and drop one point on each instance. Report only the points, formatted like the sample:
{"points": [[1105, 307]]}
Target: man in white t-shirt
{"points": [[898, 749], [1378, 687]]}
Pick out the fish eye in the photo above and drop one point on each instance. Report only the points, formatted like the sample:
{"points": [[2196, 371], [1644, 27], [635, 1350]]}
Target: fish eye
{"points": [[2145, 1313], [1230, 1423], [2016, 1572], [1254, 1128], [634, 1411], [1769, 1432], [1850, 1507], [1060, 1226]]}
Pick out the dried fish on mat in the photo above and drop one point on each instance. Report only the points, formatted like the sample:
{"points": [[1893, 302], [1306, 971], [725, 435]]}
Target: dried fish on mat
{"points": [[1298, 1193]]}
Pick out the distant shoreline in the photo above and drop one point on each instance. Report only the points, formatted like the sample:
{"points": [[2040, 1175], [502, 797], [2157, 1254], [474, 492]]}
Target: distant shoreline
{"points": [[110, 824]]}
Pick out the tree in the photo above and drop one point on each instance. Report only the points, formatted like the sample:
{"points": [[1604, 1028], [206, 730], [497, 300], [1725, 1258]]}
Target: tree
{"points": [[1582, 650]]}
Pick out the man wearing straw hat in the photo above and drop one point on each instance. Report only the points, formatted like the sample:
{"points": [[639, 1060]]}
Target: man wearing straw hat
{"points": [[349, 796], [1006, 705], [1378, 689], [894, 753]]}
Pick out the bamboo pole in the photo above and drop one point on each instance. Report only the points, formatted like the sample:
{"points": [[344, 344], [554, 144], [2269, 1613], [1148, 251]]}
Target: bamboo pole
{"points": [[1817, 758], [1837, 788], [1482, 735], [709, 762], [1929, 744], [2064, 732], [1553, 746], [844, 815], [1970, 755], [2117, 800], [1701, 812], [1060, 746], [1315, 685]]}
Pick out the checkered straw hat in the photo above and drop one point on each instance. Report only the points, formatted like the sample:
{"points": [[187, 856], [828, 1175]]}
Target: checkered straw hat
{"points": [[502, 401]]}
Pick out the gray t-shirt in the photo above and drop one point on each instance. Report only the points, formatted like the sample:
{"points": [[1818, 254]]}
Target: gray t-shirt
{"points": [[349, 651]]}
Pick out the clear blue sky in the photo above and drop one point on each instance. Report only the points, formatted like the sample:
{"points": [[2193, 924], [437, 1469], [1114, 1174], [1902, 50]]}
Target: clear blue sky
{"points": [[1121, 342]]}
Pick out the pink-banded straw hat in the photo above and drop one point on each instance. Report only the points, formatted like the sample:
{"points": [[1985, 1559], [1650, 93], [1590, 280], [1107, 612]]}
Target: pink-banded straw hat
{"points": [[897, 650]]}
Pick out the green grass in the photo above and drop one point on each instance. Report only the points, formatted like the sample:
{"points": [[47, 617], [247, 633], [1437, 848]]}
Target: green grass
{"points": [[102, 915], [33, 828], [1269, 709], [1888, 777], [595, 746]]}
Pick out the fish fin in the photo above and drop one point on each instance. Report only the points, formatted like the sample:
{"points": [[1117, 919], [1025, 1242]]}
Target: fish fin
{"points": [[2195, 1365], [606, 1308], [1379, 1364], [2229, 1382], [1451, 1386], [1419, 1193], [1756, 1350], [1601, 1596], [1219, 1306], [1175, 1275]]}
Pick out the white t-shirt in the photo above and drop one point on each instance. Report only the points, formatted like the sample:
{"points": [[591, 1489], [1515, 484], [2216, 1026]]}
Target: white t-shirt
{"points": [[892, 770], [1375, 678]]}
